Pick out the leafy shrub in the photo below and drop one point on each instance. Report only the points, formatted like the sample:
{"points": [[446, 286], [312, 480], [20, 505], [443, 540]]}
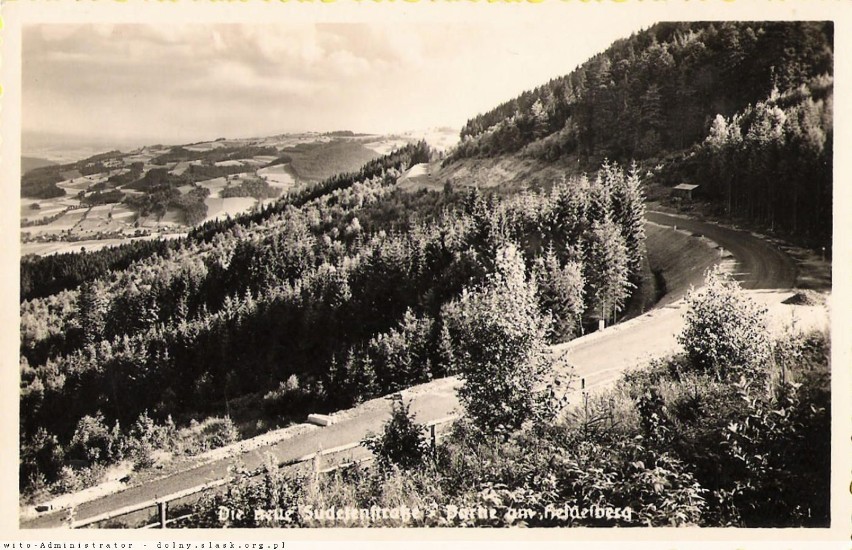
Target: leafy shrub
{"points": [[143, 456], [71, 479], [219, 432], [42, 458], [146, 430], [66, 482], [401, 355], [289, 397], [94, 442], [236, 506], [726, 332], [759, 446], [499, 346], [402, 442], [780, 440]]}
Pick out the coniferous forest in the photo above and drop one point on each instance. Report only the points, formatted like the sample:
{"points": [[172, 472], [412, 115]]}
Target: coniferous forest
{"points": [[355, 288], [345, 293], [744, 109]]}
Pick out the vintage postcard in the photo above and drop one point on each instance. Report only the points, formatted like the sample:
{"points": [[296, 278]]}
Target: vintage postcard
{"points": [[352, 270]]}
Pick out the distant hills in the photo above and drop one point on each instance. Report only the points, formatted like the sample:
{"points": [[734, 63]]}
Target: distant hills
{"points": [[31, 163], [165, 189]]}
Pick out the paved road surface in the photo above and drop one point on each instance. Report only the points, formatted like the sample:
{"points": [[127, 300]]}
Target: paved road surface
{"points": [[763, 266], [599, 358]]}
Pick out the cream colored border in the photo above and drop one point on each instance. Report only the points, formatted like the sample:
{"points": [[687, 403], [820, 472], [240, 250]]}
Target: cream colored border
{"points": [[578, 14]]}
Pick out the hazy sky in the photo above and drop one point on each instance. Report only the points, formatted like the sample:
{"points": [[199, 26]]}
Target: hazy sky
{"points": [[185, 83]]}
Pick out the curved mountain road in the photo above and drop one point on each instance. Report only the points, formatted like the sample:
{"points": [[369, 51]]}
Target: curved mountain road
{"points": [[599, 358], [760, 264]]}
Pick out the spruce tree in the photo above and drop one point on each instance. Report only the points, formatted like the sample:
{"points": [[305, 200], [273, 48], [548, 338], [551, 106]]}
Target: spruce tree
{"points": [[628, 212]]}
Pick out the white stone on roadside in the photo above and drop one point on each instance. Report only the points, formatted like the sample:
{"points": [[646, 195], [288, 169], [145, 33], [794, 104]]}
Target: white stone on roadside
{"points": [[320, 419]]}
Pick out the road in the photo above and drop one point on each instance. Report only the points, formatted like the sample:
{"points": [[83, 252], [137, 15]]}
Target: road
{"points": [[599, 358], [760, 264]]}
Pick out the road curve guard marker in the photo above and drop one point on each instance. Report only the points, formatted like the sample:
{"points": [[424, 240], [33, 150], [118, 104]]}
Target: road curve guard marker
{"points": [[320, 419]]}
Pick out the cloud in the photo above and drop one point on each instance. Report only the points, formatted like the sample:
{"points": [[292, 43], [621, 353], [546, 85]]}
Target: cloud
{"points": [[188, 82]]}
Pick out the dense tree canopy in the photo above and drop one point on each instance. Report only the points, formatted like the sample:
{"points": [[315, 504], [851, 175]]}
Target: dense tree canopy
{"points": [[654, 91], [744, 109], [772, 162], [344, 290]]}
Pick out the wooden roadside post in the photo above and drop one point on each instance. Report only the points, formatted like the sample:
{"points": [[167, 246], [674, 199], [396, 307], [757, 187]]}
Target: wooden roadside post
{"points": [[316, 462], [69, 516], [163, 512]]}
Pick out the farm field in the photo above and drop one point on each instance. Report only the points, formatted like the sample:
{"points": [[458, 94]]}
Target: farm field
{"points": [[140, 157], [180, 168], [170, 219], [45, 209], [68, 221], [98, 217], [209, 146], [72, 187], [39, 230], [254, 162], [219, 208], [279, 175], [385, 146], [213, 165], [214, 185], [45, 249], [316, 163], [123, 213]]}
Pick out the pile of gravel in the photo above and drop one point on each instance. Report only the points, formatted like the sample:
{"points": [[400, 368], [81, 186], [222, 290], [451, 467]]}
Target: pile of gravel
{"points": [[806, 298]]}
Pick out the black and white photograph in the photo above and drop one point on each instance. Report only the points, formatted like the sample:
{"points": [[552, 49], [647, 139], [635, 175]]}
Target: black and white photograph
{"points": [[462, 273]]}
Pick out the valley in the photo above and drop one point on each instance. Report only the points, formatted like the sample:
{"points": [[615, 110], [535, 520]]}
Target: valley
{"points": [[99, 201]]}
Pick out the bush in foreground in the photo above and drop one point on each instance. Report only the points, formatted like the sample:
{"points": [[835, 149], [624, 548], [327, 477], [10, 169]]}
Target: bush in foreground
{"points": [[402, 442], [679, 447], [726, 332], [499, 347]]}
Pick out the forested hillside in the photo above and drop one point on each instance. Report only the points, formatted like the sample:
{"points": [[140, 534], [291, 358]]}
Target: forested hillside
{"points": [[744, 108], [331, 296], [43, 276]]}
